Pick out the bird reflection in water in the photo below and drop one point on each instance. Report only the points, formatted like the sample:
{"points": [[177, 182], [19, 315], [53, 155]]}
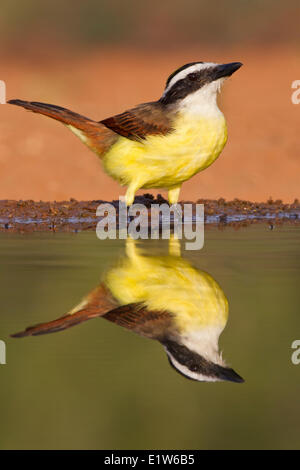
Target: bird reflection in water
{"points": [[163, 298]]}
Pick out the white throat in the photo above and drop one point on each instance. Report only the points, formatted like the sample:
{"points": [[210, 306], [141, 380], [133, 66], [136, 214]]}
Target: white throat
{"points": [[205, 342], [203, 102]]}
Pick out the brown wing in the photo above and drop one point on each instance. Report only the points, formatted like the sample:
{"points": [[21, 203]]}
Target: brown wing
{"points": [[100, 303], [96, 304], [137, 123], [135, 317]]}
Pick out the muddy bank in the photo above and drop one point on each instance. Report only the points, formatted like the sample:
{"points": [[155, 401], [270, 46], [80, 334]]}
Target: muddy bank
{"points": [[74, 216]]}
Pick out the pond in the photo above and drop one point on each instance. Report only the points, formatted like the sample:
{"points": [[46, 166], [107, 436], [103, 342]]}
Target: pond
{"points": [[98, 385]]}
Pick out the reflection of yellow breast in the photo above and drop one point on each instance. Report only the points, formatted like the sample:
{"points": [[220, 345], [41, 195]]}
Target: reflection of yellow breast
{"points": [[170, 283], [166, 161]]}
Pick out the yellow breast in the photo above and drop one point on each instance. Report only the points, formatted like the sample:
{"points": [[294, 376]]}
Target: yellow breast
{"points": [[170, 283], [169, 160]]}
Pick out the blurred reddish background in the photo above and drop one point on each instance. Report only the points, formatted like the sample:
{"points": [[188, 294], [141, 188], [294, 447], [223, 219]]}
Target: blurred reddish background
{"points": [[41, 159]]}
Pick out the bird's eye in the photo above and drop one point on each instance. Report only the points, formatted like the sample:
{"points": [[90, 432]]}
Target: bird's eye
{"points": [[193, 76]]}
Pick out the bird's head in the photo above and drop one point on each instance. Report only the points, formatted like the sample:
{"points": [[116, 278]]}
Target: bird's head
{"points": [[196, 83], [208, 367]]}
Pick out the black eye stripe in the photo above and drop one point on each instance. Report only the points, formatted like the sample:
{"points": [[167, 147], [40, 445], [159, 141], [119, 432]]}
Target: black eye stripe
{"points": [[186, 85], [193, 76]]}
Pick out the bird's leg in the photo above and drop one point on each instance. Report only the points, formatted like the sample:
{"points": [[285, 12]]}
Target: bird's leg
{"points": [[131, 249], [130, 193], [173, 194], [135, 254], [174, 246]]}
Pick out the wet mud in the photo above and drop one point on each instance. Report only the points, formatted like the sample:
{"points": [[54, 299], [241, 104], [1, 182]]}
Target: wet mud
{"points": [[76, 216]]}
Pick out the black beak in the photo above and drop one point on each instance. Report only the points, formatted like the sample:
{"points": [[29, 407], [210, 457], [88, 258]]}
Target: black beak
{"points": [[225, 373], [225, 70]]}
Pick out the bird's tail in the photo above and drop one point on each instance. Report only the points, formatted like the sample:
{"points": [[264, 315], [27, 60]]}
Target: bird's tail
{"points": [[60, 324], [56, 112], [94, 134], [95, 304]]}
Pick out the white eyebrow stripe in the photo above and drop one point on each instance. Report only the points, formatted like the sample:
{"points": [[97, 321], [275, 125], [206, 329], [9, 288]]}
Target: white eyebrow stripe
{"points": [[183, 73]]}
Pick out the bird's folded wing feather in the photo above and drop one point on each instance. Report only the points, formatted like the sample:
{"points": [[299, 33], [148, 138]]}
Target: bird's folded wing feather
{"points": [[100, 303], [137, 318], [140, 122]]}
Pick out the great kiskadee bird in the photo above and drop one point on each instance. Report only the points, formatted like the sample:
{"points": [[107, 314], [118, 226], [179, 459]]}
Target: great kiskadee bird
{"points": [[159, 144], [163, 298]]}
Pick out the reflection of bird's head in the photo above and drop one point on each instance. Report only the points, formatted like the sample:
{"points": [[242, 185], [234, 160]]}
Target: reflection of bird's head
{"points": [[196, 80], [196, 367]]}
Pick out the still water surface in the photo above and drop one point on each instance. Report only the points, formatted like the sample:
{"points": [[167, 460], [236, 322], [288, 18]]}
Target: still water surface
{"points": [[98, 385]]}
